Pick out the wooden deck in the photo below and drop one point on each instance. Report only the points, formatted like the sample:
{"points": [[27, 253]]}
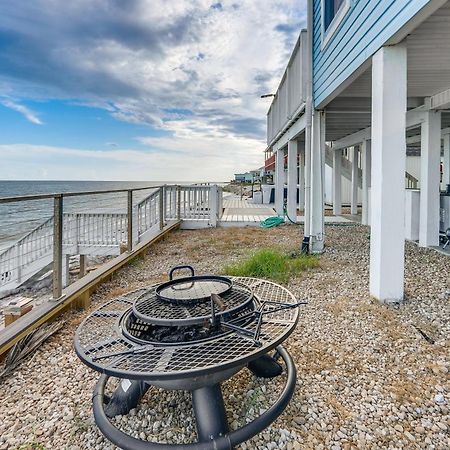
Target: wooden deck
{"points": [[243, 212]]}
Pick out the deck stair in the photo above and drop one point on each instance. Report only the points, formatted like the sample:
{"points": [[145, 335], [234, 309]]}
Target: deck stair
{"points": [[346, 169], [106, 234], [93, 234]]}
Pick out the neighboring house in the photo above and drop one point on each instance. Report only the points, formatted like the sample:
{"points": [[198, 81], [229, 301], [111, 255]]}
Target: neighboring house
{"points": [[367, 79], [248, 177]]}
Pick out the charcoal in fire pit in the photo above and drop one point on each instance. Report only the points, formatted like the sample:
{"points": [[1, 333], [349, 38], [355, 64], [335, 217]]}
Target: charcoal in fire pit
{"points": [[173, 335]]}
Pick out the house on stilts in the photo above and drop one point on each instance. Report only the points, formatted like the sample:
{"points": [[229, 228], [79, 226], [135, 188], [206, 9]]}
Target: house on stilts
{"points": [[367, 89]]}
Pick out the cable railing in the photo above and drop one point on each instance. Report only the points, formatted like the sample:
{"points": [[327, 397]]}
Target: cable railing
{"points": [[66, 234]]}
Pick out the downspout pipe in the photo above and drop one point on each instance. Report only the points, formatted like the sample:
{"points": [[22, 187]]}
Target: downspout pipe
{"points": [[308, 130]]}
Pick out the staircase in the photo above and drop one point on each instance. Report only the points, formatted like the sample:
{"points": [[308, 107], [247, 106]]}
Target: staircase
{"points": [[93, 234], [104, 234], [346, 169]]}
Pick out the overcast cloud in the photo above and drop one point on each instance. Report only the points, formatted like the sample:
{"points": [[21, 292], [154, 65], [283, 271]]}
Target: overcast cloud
{"points": [[194, 69]]}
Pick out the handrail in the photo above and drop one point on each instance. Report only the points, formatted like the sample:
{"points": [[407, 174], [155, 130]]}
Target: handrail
{"points": [[21, 198], [290, 96], [411, 181], [148, 211], [103, 232], [21, 239]]}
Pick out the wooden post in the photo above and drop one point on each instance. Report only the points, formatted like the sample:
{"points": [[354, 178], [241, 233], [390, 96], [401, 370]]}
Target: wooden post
{"points": [[57, 245], [130, 221], [83, 266]]}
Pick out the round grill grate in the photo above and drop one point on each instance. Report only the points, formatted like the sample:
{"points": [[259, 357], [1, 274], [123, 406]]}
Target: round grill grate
{"points": [[150, 309], [187, 291]]}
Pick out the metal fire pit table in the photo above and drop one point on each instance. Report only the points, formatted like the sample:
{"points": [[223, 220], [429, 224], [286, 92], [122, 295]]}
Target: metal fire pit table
{"points": [[116, 341]]}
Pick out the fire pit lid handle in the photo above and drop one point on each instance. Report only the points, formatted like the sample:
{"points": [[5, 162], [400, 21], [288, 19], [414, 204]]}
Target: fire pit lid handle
{"points": [[174, 269]]}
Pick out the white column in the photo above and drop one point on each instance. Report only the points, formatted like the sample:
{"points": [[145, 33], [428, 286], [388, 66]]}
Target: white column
{"points": [[307, 210], [355, 182], [317, 191], [292, 180], [430, 159], [279, 181], [337, 182], [301, 180], [387, 244], [366, 159], [446, 174]]}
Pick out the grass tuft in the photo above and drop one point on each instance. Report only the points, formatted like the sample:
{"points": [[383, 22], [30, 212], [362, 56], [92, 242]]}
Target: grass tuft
{"points": [[272, 264]]}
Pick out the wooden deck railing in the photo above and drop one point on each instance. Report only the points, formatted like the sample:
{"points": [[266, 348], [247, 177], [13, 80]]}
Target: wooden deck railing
{"points": [[103, 233]]}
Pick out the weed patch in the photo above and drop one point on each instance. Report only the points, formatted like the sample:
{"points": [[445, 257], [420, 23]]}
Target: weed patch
{"points": [[272, 264]]}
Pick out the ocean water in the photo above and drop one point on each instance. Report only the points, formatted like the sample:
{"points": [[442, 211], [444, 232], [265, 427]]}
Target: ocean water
{"points": [[18, 218]]}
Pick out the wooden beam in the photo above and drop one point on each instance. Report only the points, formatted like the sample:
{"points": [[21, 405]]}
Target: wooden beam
{"points": [[52, 309]]}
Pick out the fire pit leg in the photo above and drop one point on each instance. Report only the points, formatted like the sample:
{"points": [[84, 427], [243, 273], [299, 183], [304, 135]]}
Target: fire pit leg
{"points": [[210, 414]]}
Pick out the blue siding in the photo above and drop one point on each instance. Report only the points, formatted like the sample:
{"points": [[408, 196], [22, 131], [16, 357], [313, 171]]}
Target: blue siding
{"points": [[366, 27]]}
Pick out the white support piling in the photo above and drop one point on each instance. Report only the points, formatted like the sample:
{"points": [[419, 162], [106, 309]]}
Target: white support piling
{"points": [[292, 180], [317, 190], [366, 159], [430, 179], [337, 182], [387, 244], [355, 181], [446, 166], [279, 181], [301, 180], [213, 205]]}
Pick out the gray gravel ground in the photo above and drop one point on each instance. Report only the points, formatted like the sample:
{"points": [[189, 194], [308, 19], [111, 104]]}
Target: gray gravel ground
{"points": [[367, 378]]}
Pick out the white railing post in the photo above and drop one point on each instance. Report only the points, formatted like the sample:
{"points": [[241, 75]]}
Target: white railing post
{"points": [[178, 202], [220, 201], [77, 233], [19, 264], [213, 206], [135, 230]]}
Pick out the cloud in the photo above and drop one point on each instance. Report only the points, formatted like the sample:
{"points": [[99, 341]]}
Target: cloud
{"points": [[182, 159], [27, 113], [171, 65]]}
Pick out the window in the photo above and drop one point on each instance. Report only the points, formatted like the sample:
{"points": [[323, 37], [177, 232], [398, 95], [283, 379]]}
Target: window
{"points": [[333, 11]]}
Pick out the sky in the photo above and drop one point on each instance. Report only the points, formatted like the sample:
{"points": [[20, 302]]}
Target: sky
{"points": [[153, 90]]}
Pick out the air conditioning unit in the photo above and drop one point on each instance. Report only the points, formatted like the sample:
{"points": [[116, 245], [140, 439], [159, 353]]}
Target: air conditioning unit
{"points": [[444, 216]]}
